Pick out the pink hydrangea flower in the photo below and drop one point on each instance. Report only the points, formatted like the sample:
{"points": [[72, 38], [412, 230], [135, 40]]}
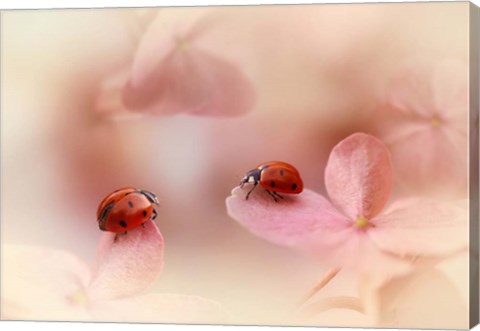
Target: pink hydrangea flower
{"points": [[47, 284], [425, 118], [174, 71], [355, 228]]}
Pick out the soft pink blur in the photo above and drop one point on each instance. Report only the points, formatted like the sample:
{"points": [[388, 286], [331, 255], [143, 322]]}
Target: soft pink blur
{"points": [[316, 72]]}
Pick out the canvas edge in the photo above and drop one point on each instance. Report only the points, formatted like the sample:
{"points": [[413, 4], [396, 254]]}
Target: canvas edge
{"points": [[474, 13]]}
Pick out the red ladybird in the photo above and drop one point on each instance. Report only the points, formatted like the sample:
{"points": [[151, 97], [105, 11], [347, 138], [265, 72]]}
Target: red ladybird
{"points": [[126, 209], [274, 177]]}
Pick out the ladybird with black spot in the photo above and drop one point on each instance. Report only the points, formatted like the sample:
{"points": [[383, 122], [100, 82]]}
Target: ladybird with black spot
{"points": [[275, 177], [126, 209]]}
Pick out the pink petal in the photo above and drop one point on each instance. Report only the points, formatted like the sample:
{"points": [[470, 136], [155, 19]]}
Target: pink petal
{"points": [[39, 283], [358, 176], [450, 90], [128, 266], [192, 81], [423, 88], [352, 249], [288, 221], [108, 101], [420, 227], [160, 308], [440, 165], [411, 91], [406, 302], [173, 73], [163, 35], [426, 120]]}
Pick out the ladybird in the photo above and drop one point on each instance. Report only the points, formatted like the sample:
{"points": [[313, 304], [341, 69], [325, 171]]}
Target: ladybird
{"points": [[126, 209], [275, 177]]}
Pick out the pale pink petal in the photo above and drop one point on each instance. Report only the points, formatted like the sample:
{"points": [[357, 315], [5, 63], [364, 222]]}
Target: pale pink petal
{"points": [[423, 299], [192, 81], [420, 227], [426, 119], [423, 88], [129, 265], [173, 73], [352, 249], [166, 32], [410, 91], [39, 283], [440, 161], [358, 175], [288, 221], [160, 308], [450, 90], [109, 101]]}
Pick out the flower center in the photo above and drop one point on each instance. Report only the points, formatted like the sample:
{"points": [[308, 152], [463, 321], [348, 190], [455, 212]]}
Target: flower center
{"points": [[182, 44], [435, 121], [78, 298], [361, 222]]}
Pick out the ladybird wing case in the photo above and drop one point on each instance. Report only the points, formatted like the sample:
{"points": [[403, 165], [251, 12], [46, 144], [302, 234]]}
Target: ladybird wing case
{"points": [[281, 179], [113, 198], [130, 212]]}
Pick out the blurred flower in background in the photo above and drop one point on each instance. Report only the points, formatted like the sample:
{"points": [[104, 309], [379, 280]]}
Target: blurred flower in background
{"points": [[425, 119], [173, 72]]}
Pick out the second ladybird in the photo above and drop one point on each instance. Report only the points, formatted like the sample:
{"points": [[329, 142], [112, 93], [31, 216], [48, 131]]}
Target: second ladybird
{"points": [[275, 177]]}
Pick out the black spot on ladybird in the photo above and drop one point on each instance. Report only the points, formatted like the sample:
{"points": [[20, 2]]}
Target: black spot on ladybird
{"points": [[272, 184], [294, 186], [123, 224], [144, 213], [281, 172], [130, 204]]}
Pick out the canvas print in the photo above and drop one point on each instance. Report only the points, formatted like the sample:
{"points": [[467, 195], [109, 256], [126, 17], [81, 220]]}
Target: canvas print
{"points": [[293, 165]]}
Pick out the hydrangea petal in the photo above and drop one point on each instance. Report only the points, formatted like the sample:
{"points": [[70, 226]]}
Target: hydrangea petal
{"points": [[129, 265], [440, 161], [167, 30], [421, 227], [358, 175], [350, 248], [161, 308], [42, 283], [173, 73], [429, 100], [288, 221], [403, 302], [424, 88], [192, 81], [410, 91]]}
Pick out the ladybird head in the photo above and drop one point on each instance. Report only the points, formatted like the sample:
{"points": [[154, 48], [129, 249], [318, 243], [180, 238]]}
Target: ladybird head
{"points": [[151, 197], [102, 219], [253, 176]]}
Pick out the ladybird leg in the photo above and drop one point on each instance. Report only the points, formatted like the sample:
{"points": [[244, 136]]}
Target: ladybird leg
{"points": [[117, 235], [272, 195], [277, 195], [248, 194], [154, 214]]}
